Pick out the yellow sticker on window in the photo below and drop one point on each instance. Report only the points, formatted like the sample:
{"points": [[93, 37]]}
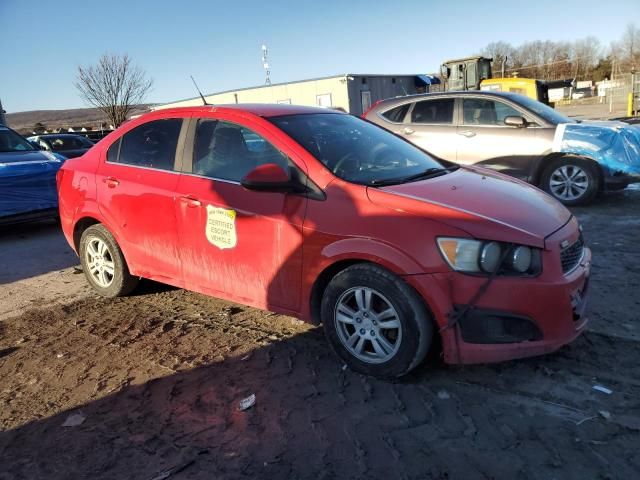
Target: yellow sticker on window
{"points": [[221, 227]]}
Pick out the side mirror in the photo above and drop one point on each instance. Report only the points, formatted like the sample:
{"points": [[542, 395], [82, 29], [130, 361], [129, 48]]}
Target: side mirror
{"points": [[515, 121], [269, 177]]}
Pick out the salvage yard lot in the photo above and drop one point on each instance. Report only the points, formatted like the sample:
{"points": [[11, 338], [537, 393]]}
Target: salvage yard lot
{"points": [[151, 384]]}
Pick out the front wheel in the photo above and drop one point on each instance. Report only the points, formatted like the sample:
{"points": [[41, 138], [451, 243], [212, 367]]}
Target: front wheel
{"points": [[571, 180], [375, 322]]}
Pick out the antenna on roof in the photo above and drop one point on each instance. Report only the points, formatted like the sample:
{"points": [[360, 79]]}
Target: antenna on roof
{"points": [[204, 102]]}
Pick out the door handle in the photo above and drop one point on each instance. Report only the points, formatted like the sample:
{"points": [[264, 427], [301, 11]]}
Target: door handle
{"points": [[408, 130], [467, 133], [191, 201], [111, 182]]}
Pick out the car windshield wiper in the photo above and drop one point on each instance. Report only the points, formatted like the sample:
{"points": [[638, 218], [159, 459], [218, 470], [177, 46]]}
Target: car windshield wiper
{"points": [[428, 173]]}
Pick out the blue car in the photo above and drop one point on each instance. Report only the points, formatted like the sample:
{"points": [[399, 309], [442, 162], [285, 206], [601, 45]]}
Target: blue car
{"points": [[27, 179]]}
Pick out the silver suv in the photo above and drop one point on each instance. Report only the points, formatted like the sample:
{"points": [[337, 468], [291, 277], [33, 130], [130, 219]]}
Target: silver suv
{"points": [[516, 135]]}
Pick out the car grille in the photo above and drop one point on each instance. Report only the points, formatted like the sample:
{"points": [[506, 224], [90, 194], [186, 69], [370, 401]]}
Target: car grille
{"points": [[571, 255]]}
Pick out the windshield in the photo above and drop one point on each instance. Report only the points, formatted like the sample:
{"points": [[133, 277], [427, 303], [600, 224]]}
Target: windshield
{"points": [[10, 141], [68, 142], [355, 150], [545, 111]]}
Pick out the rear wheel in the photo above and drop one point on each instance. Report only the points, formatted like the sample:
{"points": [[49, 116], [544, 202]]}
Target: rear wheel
{"points": [[103, 263], [375, 322], [571, 180]]}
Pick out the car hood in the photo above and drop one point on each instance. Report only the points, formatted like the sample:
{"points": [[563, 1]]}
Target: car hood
{"points": [[26, 157], [483, 203], [614, 145]]}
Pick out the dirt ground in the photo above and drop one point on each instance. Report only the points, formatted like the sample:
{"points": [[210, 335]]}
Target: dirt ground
{"points": [[147, 387]]}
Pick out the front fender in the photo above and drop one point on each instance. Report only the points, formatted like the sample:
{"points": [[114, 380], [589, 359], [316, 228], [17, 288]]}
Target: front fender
{"points": [[370, 250], [615, 147]]}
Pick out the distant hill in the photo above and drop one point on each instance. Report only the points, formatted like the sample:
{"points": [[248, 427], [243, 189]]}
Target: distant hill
{"points": [[23, 122]]}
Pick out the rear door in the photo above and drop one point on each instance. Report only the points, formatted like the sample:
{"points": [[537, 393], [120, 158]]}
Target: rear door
{"points": [[431, 126], [245, 245], [136, 187], [483, 137]]}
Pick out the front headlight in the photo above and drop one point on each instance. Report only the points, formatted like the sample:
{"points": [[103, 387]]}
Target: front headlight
{"points": [[477, 256]]}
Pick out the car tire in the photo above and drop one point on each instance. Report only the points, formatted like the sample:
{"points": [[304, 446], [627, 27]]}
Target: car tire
{"points": [[103, 263], [580, 177], [361, 294]]}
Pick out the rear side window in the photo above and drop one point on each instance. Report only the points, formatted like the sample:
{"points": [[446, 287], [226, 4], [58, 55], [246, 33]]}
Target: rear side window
{"points": [[397, 114], [151, 145], [228, 151], [438, 111]]}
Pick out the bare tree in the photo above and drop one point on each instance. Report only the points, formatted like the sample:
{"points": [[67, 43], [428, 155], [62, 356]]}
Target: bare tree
{"points": [[630, 47], [501, 52], [586, 53], [114, 85]]}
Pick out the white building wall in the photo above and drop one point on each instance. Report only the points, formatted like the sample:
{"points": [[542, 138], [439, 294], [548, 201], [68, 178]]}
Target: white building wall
{"points": [[331, 92]]}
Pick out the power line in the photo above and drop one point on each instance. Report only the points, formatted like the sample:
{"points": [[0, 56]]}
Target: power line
{"points": [[566, 60]]}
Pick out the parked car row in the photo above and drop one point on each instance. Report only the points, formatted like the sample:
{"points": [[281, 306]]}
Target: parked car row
{"points": [[327, 217], [66, 144], [27, 179], [516, 135]]}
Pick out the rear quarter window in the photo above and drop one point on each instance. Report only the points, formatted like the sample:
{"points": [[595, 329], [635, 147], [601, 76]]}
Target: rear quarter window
{"points": [[112, 153], [397, 114]]}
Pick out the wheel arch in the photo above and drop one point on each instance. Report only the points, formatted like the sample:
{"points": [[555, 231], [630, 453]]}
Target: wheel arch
{"points": [[79, 227], [545, 161], [322, 281], [329, 272]]}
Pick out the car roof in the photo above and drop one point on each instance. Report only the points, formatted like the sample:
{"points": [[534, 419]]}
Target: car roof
{"points": [[401, 100], [58, 135], [260, 109], [509, 95]]}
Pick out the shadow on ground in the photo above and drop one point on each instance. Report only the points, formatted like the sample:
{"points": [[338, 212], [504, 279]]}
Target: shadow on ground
{"points": [[31, 249], [154, 382]]}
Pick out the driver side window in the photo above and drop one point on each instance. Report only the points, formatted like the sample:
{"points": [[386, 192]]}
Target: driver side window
{"points": [[482, 111], [228, 151]]}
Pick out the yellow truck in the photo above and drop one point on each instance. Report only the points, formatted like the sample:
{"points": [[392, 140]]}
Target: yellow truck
{"points": [[530, 87]]}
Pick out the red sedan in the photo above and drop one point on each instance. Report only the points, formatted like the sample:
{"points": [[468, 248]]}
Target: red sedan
{"points": [[324, 216]]}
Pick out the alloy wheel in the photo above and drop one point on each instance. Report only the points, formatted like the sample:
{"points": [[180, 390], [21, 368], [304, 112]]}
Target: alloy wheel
{"points": [[368, 325], [100, 262], [568, 182]]}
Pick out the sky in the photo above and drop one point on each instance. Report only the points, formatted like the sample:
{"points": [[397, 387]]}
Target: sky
{"points": [[219, 42]]}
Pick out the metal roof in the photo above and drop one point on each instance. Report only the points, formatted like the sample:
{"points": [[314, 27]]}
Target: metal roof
{"points": [[344, 75]]}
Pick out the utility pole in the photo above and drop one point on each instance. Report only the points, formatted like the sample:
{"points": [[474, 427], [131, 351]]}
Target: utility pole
{"points": [[265, 65], [3, 119]]}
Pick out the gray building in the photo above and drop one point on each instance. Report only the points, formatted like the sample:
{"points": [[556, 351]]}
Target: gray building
{"points": [[353, 93]]}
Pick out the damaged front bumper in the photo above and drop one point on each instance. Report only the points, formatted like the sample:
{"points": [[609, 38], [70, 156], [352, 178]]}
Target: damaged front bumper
{"points": [[614, 145], [516, 317]]}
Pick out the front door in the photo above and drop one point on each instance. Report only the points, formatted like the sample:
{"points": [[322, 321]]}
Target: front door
{"points": [[483, 138], [136, 184], [243, 245]]}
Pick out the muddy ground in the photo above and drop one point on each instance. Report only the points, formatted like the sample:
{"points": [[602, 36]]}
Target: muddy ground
{"points": [[147, 387]]}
